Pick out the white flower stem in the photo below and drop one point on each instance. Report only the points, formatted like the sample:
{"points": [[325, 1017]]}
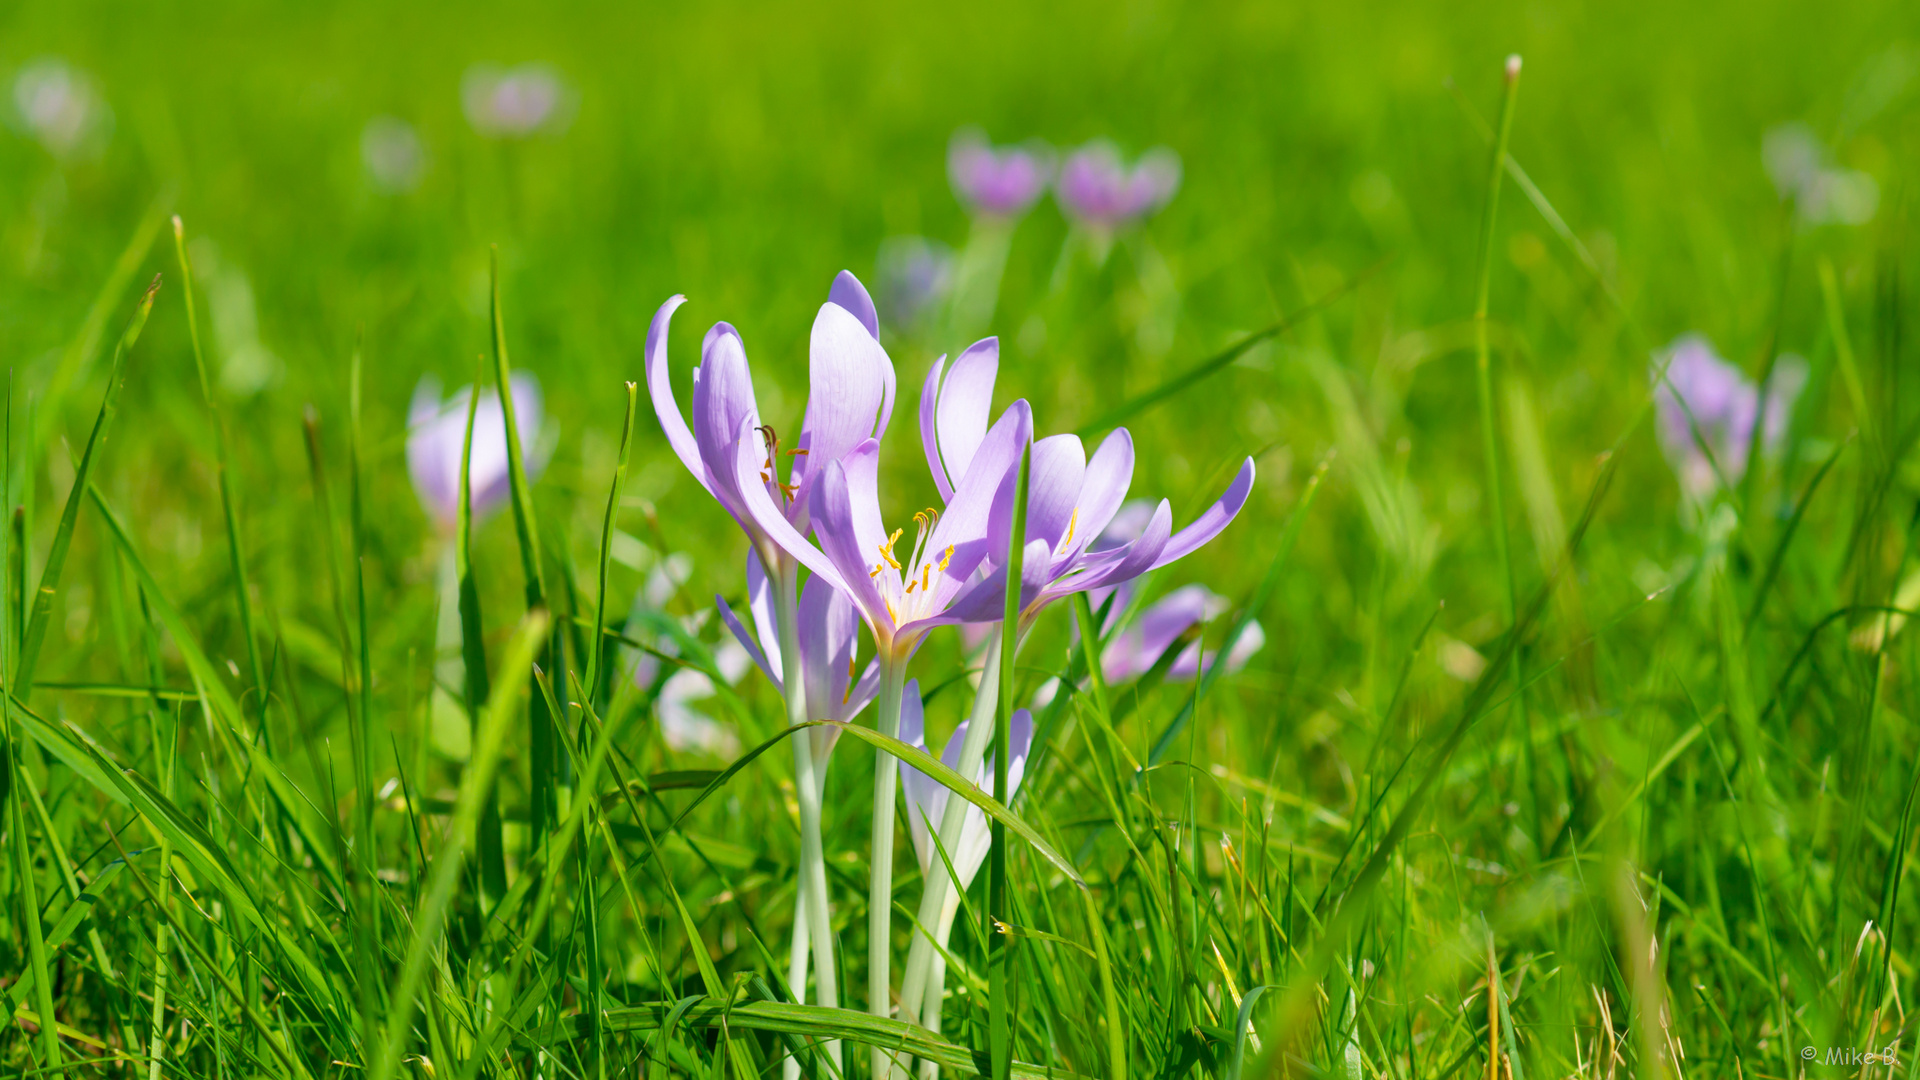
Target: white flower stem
{"points": [[936, 983], [939, 883], [818, 926], [886, 779]]}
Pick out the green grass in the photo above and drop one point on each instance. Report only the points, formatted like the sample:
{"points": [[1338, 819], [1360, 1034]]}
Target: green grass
{"points": [[1523, 722]]}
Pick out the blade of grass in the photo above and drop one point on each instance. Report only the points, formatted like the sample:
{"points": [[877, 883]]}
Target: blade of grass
{"points": [[80, 351], [36, 631], [1000, 946], [597, 662], [489, 841], [28, 895]]}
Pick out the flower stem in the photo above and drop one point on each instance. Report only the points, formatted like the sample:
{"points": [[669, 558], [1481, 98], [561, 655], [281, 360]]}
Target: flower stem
{"points": [[807, 784], [921, 956], [886, 779]]}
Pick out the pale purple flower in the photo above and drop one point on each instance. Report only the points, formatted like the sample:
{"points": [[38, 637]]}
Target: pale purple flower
{"points": [[997, 181], [927, 797], [916, 276], [1800, 167], [392, 152], [1133, 651], [436, 437], [58, 105], [1099, 190], [1707, 409], [850, 400], [513, 102], [829, 651], [1071, 499]]}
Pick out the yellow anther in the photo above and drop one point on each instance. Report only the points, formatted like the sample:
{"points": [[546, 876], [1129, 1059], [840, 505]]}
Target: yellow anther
{"points": [[945, 558], [848, 696], [1072, 522], [886, 550], [891, 615], [926, 572]]}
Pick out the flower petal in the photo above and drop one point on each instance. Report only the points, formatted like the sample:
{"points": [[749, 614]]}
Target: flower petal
{"points": [[1209, 525], [966, 400], [929, 441], [1135, 650], [828, 629], [984, 599], [763, 517], [1115, 565], [1104, 490], [722, 400], [846, 518], [660, 389], [746, 642], [851, 295], [848, 375], [979, 518], [1053, 488], [926, 799]]}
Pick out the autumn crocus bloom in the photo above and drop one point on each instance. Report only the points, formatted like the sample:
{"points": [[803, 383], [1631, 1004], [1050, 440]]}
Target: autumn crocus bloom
{"points": [[437, 436], [997, 181], [1707, 409], [851, 389], [1100, 191], [927, 803], [1136, 648]]}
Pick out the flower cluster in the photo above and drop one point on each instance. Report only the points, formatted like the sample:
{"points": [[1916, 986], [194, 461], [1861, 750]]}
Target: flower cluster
{"points": [[1094, 185]]}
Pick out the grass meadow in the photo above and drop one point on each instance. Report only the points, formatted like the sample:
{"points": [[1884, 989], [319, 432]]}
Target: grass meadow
{"points": [[1580, 738]]}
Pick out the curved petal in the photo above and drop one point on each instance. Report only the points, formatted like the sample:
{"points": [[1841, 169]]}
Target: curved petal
{"points": [[847, 381], [984, 599], [966, 400], [1119, 564], [722, 401], [929, 442], [768, 519], [846, 516], [1209, 525], [1104, 490], [926, 799], [660, 389], [1053, 489], [746, 642], [853, 296], [760, 606], [828, 632], [1135, 650]]}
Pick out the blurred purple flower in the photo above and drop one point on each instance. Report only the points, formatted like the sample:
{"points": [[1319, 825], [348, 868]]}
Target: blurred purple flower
{"points": [[1707, 409], [829, 651], [1133, 652], [850, 400], [927, 797], [1799, 165], [1071, 499], [1098, 190], [57, 104], [916, 275], [391, 150], [997, 181], [513, 102], [436, 438]]}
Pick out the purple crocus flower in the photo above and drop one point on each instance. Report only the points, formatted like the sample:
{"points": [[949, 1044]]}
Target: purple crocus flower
{"points": [[1707, 409], [850, 401], [513, 103], [997, 181], [1071, 499], [436, 438], [927, 797], [829, 651], [1098, 189], [1133, 651]]}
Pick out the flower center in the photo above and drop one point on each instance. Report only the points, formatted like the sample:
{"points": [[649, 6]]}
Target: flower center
{"points": [[908, 590]]}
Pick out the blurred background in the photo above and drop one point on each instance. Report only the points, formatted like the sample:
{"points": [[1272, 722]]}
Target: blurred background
{"points": [[343, 169]]}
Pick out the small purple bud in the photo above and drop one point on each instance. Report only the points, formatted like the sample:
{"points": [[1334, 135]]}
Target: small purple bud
{"points": [[1000, 182], [1097, 188]]}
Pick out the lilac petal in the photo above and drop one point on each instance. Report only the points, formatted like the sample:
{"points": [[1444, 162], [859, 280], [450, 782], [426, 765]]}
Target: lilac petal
{"points": [[1217, 517], [827, 638], [846, 517], [1053, 491], [978, 520], [769, 519], [966, 400], [1109, 475], [660, 389], [760, 605], [925, 797], [847, 385], [1136, 649], [1115, 565], [722, 401], [984, 599], [851, 295], [746, 642], [929, 442]]}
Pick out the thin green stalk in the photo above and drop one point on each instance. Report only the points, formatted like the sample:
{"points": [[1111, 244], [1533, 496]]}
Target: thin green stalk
{"points": [[166, 735], [809, 782], [1490, 440], [236, 554], [886, 780], [1116, 1029], [918, 983], [489, 844], [597, 661], [999, 946]]}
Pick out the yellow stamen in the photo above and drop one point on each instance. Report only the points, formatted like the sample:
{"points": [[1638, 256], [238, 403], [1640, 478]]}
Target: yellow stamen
{"points": [[848, 696], [1072, 523], [890, 612], [945, 559], [886, 550], [797, 453], [926, 572]]}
